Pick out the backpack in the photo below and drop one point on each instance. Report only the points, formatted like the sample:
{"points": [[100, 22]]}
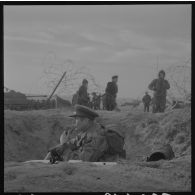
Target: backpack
{"points": [[115, 143]]}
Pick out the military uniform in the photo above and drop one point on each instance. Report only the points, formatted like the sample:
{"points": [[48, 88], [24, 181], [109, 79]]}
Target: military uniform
{"points": [[91, 144], [83, 98], [98, 102], [159, 86], [104, 101], [94, 101], [146, 100], [111, 91], [75, 99]]}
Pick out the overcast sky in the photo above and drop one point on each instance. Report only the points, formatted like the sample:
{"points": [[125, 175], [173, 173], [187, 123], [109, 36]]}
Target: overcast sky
{"points": [[127, 40]]}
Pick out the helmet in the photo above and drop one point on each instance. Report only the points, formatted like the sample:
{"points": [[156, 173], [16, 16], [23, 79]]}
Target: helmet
{"points": [[85, 81], [161, 72]]}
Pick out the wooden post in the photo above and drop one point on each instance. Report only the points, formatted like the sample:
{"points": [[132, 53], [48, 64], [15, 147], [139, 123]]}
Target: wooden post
{"points": [[56, 86]]}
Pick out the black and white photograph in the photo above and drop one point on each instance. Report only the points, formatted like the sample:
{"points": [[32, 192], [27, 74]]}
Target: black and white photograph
{"points": [[97, 98]]}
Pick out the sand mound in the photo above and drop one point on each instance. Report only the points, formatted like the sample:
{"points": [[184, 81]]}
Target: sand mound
{"points": [[29, 134], [86, 177]]}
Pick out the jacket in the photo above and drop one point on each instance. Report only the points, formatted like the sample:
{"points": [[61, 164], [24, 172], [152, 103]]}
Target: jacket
{"points": [[146, 99], [82, 97], [159, 86], [111, 89]]}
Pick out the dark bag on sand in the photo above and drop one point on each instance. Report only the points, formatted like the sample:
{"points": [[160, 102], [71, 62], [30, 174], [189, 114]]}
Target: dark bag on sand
{"points": [[115, 143]]}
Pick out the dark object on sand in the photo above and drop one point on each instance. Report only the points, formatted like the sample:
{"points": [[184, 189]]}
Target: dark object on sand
{"points": [[54, 156], [162, 152]]}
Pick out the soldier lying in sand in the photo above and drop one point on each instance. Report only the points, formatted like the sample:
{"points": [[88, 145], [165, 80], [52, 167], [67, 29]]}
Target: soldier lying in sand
{"points": [[92, 141]]}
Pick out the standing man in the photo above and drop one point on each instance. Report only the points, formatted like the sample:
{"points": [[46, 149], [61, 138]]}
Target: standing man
{"points": [[74, 99], [83, 97], [98, 101], [160, 87], [111, 92], [146, 100], [94, 101], [103, 100]]}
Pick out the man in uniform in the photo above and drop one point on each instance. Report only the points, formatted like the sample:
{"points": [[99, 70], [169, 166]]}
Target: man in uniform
{"points": [[74, 99], [146, 100], [91, 143], [94, 101], [83, 97], [98, 101], [111, 91], [160, 87], [103, 100]]}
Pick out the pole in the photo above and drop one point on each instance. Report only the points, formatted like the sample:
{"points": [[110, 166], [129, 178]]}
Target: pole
{"points": [[56, 86]]}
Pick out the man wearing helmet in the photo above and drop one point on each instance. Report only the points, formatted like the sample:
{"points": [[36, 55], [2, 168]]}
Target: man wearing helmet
{"points": [[111, 93], [83, 97], [160, 87], [146, 100]]}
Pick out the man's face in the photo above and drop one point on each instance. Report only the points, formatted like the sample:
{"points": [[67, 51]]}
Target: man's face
{"points": [[86, 85], [81, 123], [115, 80], [161, 76]]}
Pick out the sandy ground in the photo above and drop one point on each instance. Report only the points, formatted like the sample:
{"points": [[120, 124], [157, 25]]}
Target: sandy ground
{"points": [[86, 177], [28, 135]]}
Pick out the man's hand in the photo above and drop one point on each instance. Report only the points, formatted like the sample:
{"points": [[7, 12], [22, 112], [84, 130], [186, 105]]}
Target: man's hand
{"points": [[65, 136], [56, 154]]}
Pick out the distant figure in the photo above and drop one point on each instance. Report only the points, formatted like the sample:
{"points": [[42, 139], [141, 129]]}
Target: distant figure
{"points": [[99, 101], [111, 91], [94, 101], [75, 99], [83, 96], [103, 99], [146, 101], [89, 101], [160, 87]]}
